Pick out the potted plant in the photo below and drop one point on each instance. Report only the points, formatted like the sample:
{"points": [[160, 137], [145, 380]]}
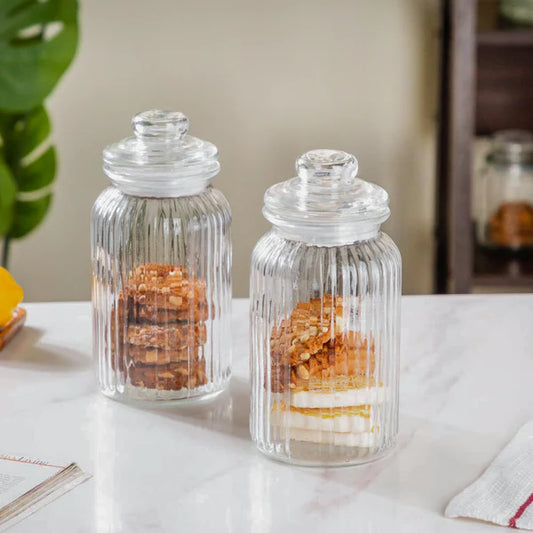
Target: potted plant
{"points": [[38, 40]]}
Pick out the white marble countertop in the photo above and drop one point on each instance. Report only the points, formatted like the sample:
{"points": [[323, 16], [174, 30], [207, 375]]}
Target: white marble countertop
{"points": [[466, 388]]}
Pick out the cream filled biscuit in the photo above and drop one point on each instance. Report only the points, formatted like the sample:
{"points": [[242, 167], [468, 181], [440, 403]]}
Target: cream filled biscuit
{"points": [[343, 398], [360, 440], [339, 419]]}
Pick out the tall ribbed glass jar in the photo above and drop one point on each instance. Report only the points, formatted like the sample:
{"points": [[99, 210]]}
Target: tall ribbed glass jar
{"points": [[325, 318], [161, 259]]}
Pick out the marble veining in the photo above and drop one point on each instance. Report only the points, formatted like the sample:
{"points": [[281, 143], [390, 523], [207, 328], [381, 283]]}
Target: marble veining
{"points": [[466, 367]]}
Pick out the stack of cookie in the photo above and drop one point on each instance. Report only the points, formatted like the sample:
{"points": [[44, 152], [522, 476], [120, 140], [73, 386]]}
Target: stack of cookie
{"points": [[327, 371], [162, 314], [511, 226]]}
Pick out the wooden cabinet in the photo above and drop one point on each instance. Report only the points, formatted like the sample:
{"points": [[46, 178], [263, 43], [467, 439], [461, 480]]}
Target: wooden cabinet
{"points": [[486, 85]]}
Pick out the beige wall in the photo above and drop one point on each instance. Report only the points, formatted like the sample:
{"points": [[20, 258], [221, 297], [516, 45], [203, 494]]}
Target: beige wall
{"points": [[265, 81]]}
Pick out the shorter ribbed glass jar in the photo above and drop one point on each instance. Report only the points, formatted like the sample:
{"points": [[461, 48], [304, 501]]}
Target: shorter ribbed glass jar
{"points": [[505, 189], [161, 255], [325, 295]]}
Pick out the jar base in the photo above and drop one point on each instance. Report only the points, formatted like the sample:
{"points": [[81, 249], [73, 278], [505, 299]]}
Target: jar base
{"points": [[310, 455], [142, 396]]}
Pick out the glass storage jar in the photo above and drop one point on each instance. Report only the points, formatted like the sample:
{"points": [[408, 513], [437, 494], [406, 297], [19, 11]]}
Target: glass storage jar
{"points": [[325, 307], [519, 13], [505, 188], [161, 260]]}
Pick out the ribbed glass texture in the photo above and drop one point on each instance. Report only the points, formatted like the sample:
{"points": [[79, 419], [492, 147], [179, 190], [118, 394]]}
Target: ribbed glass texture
{"points": [[161, 294], [325, 349]]}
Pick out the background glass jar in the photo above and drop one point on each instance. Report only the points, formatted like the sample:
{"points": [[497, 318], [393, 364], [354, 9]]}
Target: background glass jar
{"points": [[161, 257], [325, 295], [517, 12], [505, 188]]}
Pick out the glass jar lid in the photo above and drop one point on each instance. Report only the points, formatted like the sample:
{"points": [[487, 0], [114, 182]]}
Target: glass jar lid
{"points": [[161, 159], [512, 146], [326, 204]]}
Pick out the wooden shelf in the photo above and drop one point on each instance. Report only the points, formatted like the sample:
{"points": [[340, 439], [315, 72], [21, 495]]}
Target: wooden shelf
{"points": [[497, 268], [486, 81], [504, 99], [505, 38]]}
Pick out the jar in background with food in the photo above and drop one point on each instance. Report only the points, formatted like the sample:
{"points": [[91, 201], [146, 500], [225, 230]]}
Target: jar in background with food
{"points": [[161, 260], [325, 309], [505, 189]]}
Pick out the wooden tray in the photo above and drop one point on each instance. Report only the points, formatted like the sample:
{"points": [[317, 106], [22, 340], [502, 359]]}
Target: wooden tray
{"points": [[8, 331]]}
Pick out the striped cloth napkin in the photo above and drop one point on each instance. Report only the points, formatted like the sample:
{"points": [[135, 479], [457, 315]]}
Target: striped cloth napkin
{"points": [[504, 492]]}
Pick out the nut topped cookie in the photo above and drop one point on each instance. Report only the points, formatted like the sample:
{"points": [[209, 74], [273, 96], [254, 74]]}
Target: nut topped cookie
{"points": [[165, 287], [511, 225], [141, 355], [173, 376], [310, 325], [170, 337], [313, 344]]}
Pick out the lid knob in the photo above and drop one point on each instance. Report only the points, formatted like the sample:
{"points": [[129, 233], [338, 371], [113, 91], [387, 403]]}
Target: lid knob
{"points": [[160, 123], [333, 165]]}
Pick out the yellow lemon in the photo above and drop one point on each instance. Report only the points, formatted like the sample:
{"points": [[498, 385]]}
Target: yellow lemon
{"points": [[11, 295]]}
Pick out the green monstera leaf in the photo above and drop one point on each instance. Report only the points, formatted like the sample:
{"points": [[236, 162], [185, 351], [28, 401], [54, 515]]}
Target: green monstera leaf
{"points": [[26, 172], [38, 40], [8, 194]]}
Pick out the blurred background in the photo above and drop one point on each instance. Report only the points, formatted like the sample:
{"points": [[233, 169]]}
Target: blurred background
{"points": [[265, 82], [405, 86]]}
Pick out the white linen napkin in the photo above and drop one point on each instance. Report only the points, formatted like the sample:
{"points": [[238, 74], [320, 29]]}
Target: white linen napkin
{"points": [[504, 492]]}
